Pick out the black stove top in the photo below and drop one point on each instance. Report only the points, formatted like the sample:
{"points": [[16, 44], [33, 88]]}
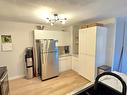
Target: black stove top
{"points": [[2, 71]]}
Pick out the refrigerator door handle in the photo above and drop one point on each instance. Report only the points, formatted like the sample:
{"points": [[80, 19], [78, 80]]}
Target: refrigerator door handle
{"points": [[42, 59]]}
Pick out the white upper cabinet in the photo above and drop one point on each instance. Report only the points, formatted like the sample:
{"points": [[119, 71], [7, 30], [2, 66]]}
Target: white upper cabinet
{"points": [[91, 41], [82, 41], [66, 38], [87, 41]]}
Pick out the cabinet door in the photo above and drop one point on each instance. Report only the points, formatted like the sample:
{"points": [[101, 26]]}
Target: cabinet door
{"points": [[82, 41], [75, 64], [66, 38], [91, 41], [82, 65], [61, 66], [69, 63], [90, 68], [87, 67], [65, 63]]}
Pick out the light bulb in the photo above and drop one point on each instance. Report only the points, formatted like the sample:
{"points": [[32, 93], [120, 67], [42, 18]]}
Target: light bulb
{"points": [[52, 24], [47, 20], [63, 22]]}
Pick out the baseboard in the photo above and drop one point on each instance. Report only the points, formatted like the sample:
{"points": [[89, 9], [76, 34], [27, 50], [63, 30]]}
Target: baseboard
{"points": [[16, 77]]}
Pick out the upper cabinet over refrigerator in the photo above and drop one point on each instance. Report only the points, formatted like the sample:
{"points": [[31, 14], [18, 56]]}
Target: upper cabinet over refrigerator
{"points": [[64, 38]]}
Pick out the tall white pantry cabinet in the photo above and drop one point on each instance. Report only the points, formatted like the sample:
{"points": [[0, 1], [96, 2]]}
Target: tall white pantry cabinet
{"points": [[92, 50]]}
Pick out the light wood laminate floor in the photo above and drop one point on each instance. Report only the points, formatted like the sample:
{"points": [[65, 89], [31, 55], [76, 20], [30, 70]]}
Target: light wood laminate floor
{"points": [[66, 82]]}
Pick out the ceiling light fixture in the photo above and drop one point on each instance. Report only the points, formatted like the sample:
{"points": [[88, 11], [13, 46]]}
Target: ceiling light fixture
{"points": [[55, 18]]}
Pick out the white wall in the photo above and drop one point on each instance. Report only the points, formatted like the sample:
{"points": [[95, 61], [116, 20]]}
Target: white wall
{"points": [[110, 24], [110, 43], [22, 37]]}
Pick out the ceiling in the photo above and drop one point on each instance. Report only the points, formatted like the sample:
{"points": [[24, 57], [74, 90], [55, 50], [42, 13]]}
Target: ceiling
{"points": [[34, 11]]}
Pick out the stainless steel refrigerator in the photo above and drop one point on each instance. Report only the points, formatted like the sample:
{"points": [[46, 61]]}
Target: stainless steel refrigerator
{"points": [[47, 52]]}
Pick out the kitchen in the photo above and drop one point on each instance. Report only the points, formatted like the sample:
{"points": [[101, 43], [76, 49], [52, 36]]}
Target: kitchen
{"points": [[23, 36]]}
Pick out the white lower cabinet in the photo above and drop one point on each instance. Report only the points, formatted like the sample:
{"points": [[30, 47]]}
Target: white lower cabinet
{"points": [[69, 63], [65, 63], [75, 64], [87, 67]]}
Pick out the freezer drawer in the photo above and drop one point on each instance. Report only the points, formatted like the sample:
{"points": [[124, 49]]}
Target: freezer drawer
{"points": [[49, 65]]}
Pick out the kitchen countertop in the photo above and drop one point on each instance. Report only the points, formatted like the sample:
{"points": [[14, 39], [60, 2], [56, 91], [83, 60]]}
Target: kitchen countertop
{"points": [[64, 55]]}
